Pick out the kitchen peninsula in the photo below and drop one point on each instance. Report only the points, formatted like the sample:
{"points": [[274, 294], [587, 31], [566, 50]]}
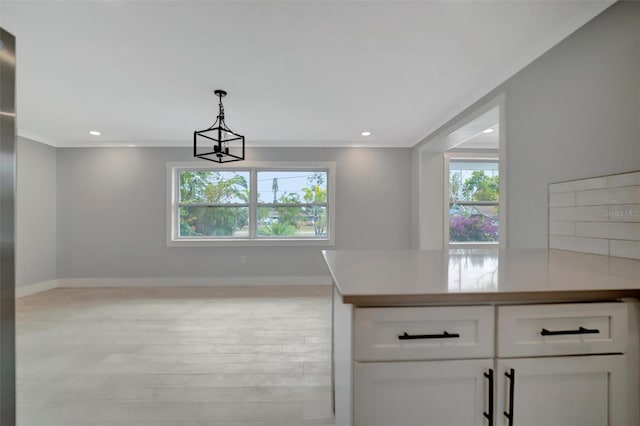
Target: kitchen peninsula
{"points": [[484, 337]]}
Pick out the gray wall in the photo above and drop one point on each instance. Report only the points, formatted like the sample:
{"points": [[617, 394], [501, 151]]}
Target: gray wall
{"points": [[571, 114], [112, 206], [35, 213]]}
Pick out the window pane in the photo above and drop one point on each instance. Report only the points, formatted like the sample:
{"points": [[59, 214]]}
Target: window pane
{"points": [[473, 180], [473, 223], [207, 187], [292, 187], [214, 222], [299, 222]]}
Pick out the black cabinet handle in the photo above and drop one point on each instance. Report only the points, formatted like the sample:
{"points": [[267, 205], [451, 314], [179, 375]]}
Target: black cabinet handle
{"points": [[444, 335], [580, 330], [489, 415], [511, 375]]}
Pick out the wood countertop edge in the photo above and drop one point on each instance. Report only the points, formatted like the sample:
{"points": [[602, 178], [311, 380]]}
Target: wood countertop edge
{"points": [[467, 298]]}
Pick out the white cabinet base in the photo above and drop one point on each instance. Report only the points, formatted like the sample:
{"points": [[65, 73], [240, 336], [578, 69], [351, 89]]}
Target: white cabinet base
{"points": [[414, 387]]}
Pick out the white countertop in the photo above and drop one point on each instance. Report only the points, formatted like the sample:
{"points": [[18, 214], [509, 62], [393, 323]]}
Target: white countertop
{"points": [[404, 277]]}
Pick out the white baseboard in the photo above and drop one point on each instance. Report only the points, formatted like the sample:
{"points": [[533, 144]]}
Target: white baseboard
{"points": [[30, 289], [27, 290], [193, 282]]}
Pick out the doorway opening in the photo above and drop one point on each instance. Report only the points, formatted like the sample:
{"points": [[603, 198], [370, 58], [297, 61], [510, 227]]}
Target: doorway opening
{"points": [[462, 182]]}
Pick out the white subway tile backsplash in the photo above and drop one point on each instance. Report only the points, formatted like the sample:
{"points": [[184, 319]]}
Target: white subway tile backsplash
{"points": [[562, 228], [582, 214], [582, 244], [597, 215], [578, 185], [625, 179], [616, 231], [624, 213], [562, 199], [630, 249], [603, 197]]}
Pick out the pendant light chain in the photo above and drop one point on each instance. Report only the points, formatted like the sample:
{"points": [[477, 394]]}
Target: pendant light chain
{"points": [[221, 107]]}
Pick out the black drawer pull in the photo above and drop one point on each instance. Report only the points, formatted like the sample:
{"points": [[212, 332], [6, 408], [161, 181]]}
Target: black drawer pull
{"points": [[444, 335], [511, 375], [489, 415], [580, 330]]}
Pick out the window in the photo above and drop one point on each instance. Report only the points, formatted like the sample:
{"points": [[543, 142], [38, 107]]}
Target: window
{"points": [[213, 204], [473, 200], [292, 203], [250, 204]]}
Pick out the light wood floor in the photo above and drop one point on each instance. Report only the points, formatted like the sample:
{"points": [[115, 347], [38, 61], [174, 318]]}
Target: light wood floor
{"points": [[174, 357]]}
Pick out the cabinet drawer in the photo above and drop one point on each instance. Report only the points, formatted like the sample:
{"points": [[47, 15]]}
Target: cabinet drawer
{"points": [[563, 329], [386, 334]]}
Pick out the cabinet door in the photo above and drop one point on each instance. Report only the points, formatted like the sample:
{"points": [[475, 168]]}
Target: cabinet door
{"points": [[443, 393], [567, 391]]}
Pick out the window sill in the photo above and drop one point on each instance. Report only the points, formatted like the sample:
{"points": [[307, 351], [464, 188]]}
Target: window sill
{"points": [[479, 244], [266, 242]]}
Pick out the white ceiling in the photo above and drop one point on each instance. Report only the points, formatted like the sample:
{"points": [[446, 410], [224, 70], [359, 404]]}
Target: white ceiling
{"points": [[298, 73]]}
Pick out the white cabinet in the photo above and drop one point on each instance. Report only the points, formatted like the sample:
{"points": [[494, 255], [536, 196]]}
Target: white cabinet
{"points": [[565, 362], [540, 385], [400, 377], [567, 391], [443, 393]]}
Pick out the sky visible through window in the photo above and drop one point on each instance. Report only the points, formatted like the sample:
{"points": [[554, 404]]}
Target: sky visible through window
{"points": [[461, 171], [287, 182]]}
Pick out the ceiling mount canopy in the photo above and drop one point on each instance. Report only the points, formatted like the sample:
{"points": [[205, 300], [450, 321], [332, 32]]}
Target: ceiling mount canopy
{"points": [[218, 143]]}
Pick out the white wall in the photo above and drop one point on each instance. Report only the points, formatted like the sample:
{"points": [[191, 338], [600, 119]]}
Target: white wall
{"points": [[35, 213], [571, 114], [431, 208], [112, 206]]}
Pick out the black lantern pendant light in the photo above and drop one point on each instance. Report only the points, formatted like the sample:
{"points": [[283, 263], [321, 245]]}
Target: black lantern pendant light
{"points": [[218, 143]]}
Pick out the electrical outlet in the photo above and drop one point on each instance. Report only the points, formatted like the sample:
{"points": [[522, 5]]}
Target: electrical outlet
{"points": [[243, 259]]}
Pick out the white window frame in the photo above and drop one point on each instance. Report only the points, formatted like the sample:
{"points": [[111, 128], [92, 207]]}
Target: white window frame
{"points": [[469, 155], [173, 192]]}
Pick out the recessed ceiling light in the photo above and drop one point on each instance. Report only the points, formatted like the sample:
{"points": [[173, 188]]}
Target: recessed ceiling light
{"points": [[94, 133], [366, 133], [489, 130]]}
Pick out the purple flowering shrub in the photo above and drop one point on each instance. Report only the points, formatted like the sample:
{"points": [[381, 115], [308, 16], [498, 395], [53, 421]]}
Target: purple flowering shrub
{"points": [[473, 228]]}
